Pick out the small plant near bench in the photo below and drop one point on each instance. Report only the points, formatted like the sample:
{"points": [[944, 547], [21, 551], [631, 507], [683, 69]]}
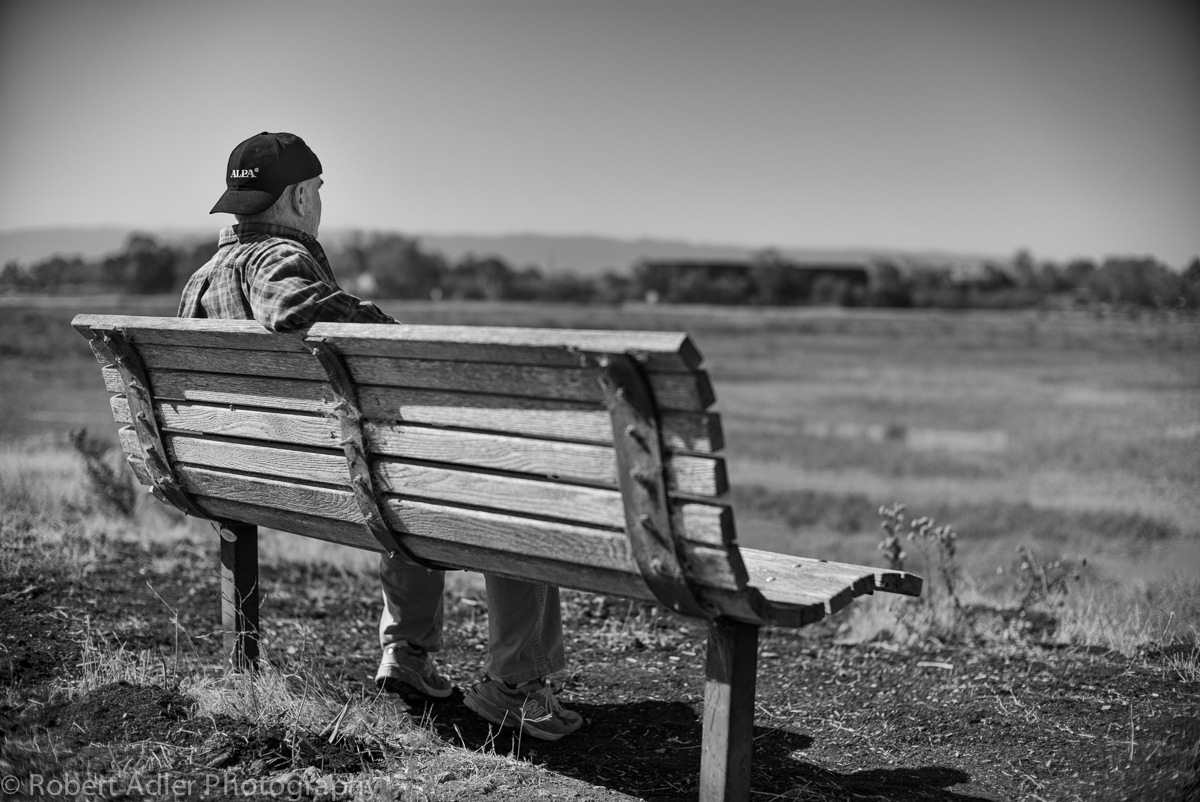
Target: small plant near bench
{"points": [[1039, 587]]}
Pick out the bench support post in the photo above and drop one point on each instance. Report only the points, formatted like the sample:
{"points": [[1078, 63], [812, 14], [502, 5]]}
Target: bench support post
{"points": [[729, 679], [239, 592]]}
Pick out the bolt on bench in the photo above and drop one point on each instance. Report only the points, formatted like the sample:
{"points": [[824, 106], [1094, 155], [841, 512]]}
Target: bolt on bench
{"points": [[586, 459]]}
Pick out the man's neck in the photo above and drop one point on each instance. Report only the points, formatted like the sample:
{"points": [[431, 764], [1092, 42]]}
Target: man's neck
{"points": [[280, 229]]}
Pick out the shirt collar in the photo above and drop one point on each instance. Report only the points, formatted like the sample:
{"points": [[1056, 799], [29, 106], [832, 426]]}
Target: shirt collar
{"points": [[233, 234]]}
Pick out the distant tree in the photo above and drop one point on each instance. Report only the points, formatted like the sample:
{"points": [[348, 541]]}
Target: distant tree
{"points": [[889, 287], [614, 288], [1139, 281], [400, 267], [1191, 285], [1024, 268], [150, 266], [1078, 272]]}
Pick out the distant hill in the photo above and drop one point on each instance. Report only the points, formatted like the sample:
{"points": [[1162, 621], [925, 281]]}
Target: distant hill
{"points": [[31, 244], [581, 254], [592, 255]]}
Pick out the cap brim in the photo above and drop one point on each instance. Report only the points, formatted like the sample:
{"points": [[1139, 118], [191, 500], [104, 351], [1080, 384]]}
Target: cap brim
{"points": [[247, 201]]}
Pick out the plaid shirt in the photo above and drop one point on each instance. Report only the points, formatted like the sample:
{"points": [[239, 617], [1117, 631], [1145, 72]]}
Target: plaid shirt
{"points": [[276, 275]]}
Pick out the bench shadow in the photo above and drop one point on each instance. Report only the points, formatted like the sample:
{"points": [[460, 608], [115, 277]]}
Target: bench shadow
{"points": [[651, 750]]}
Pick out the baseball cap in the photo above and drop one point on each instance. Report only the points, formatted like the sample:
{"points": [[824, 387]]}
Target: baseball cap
{"points": [[261, 168]]}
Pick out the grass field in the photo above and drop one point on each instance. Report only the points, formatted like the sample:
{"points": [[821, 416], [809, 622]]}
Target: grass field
{"points": [[1073, 434], [1065, 436]]}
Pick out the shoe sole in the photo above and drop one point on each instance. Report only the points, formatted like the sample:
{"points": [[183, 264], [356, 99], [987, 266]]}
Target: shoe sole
{"points": [[404, 687], [508, 720]]}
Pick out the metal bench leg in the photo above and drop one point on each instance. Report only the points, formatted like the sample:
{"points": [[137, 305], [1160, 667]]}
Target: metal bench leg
{"points": [[239, 593], [730, 675]]}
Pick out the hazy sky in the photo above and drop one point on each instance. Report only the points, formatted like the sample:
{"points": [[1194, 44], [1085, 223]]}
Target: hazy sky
{"points": [[1071, 128]]}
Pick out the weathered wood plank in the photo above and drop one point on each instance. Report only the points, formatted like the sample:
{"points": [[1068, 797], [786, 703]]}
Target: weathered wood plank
{"points": [[302, 430], [699, 523], [659, 351], [698, 432], [709, 524], [199, 332], [684, 431], [306, 466], [537, 540], [785, 580], [493, 561], [530, 538], [746, 605], [533, 417], [883, 579], [662, 351], [240, 391], [239, 593], [678, 391], [729, 678], [687, 474], [112, 379], [238, 361]]}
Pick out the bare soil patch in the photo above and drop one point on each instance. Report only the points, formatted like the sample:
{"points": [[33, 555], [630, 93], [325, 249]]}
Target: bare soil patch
{"points": [[868, 722]]}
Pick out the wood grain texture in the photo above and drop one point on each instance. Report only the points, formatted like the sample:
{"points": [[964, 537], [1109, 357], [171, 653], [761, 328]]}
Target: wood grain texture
{"points": [[239, 593], [488, 560], [281, 463], [662, 351], [305, 430], [242, 391], [571, 462], [747, 605], [531, 539], [557, 420], [687, 474], [677, 391], [709, 524], [658, 351], [729, 679], [198, 332], [575, 421]]}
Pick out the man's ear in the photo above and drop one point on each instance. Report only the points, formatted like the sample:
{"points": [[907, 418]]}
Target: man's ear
{"points": [[299, 199]]}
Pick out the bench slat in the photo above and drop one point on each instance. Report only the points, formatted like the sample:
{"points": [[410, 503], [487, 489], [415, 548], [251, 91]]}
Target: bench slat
{"points": [[686, 474], [562, 420], [664, 351], [792, 585], [241, 391], [709, 524], [700, 432], [682, 391], [596, 580], [791, 601], [528, 538]]}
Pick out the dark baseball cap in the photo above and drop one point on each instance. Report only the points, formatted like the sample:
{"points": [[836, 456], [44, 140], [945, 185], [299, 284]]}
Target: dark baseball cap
{"points": [[261, 168]]}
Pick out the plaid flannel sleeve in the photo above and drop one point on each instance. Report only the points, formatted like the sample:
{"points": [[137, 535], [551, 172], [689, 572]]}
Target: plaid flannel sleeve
{"points": [[287, 294]]}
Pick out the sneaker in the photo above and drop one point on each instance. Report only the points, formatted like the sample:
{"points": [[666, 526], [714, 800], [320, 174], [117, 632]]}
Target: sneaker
{"points": [[531, 706], [407, 671]]}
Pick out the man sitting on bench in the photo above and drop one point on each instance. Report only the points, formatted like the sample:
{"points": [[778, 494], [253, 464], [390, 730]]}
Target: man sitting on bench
{"points": [[270, 268]]}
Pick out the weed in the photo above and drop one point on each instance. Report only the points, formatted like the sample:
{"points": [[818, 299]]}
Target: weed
{"points": [[109, 486], [1049, 582]]}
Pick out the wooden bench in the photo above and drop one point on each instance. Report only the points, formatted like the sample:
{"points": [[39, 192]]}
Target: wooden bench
{"points": [[586, 459]]}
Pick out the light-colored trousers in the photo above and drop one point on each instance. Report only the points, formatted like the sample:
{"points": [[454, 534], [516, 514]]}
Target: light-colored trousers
{"points": [[524, 619]]}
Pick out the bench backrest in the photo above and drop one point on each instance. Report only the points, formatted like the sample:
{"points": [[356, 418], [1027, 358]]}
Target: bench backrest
{"points": [[492, 449]]}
